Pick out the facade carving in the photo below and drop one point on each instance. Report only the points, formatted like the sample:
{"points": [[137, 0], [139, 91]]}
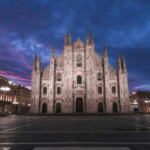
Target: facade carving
{"points": [[79, 80]]}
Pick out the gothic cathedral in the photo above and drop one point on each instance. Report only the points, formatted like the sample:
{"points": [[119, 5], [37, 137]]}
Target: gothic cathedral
{"points": [[79, 81]]}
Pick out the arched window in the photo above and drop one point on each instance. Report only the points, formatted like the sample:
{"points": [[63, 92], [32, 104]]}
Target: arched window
{"points": [[58, 77], [99, 90], [79, 61], [45, 90], [79, 80], [114, 89], [58, 90], [99, 76]]}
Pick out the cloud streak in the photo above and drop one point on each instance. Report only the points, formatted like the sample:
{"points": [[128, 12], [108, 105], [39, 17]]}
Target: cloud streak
{"points": [[29, 26]]}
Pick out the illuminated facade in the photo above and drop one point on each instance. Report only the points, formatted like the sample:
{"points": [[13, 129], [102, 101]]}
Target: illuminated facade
{"points": [[141, 99], [14, 98], [79, 81]]}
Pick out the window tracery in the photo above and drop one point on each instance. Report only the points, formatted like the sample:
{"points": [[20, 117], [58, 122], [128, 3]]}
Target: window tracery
{"points": [[113, 89], [58, 77], [79, 61]]}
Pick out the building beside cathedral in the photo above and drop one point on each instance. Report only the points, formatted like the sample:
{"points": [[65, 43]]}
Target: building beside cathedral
{"points": [[79, 81]]}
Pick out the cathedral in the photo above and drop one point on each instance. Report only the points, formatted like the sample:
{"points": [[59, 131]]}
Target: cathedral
{"points": [[79, 81]]}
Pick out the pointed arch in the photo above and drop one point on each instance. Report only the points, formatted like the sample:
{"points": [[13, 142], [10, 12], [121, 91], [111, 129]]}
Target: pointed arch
{"points": [[114, 90], [79, 79], [45, 90]]}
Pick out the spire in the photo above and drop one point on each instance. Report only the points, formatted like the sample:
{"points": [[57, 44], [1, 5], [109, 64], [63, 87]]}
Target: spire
{"points": [[119, 62], [43, 66], [39, 57], [123, 62], [66, 39], [35, 61], [52, 53], [91, 38], [39, 62], [105, 49], [87, 37], [70, 38]]}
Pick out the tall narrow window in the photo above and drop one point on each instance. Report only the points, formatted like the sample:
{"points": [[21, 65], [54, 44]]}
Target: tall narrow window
{"points": [[114, 89], [58, 90], [99, 90], [99, 76], [79, 61], [58, 77], [79, 79], [45, 90]]}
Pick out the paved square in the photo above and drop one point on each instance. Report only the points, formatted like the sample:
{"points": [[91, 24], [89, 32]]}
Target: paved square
{"points": [[126, 131]]}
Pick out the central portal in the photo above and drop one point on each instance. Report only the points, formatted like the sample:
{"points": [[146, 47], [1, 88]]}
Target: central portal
{"points": [[79, 105]]}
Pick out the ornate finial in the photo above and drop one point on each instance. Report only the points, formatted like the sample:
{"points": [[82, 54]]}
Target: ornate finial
{"points": [[91, 31]]}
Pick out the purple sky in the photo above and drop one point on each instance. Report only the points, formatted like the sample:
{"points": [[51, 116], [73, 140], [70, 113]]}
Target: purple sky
{"points": [[27, 26]]}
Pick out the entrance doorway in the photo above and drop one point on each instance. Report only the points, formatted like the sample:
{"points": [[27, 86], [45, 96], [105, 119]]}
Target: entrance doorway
{"points": [[100, 107], [58, 108], [79, 105], [115, 109], [44, 108]]}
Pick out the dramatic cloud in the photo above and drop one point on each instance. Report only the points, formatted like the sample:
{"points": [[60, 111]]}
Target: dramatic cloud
{"points": [[31, 25]]}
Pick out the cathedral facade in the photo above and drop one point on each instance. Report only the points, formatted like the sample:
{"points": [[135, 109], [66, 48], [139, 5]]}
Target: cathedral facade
{"points": [[79, 81]]}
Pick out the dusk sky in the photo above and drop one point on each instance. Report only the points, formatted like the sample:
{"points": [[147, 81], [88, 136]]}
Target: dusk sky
{"points": [[27, 26]]}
